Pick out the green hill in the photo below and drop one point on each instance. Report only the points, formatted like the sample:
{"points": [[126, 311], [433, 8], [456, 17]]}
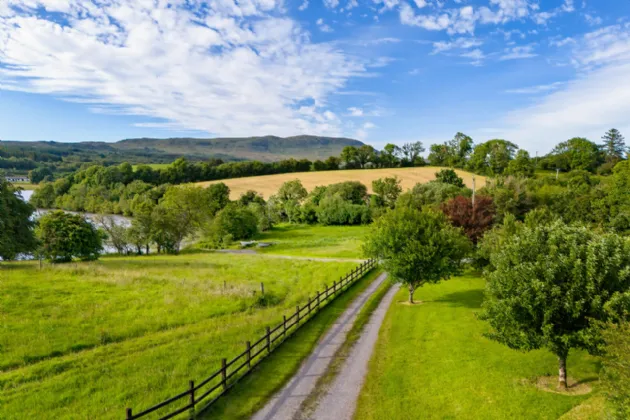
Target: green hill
{"points": [[266, 149], [150, 150]]}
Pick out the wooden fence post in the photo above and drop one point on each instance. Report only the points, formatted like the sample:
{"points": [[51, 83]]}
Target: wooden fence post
{"points": [[318, 299], [129, 414], [297, 314], [268, 340], [262, 288], [284, 323], [192, 394], [224, 373], [249, 355], [334, 286], [309, 304]]}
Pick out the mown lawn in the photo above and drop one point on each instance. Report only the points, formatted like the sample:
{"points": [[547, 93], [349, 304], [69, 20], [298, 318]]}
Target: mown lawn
{"points": [[314, 241], [85, 340], [432, 361]]}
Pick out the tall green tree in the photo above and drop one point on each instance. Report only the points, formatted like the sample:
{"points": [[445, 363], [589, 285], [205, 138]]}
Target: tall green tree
{"points": [[549, 285], [411, 153], [492, 157], [416, 247], [576, 153], [390, 156], [65, 236], [388, 189], [449, 176], [16, 226], [522, 165], [614, 147]]}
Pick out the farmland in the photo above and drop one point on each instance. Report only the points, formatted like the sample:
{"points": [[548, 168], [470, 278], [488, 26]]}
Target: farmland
{"points": [[269, 184], [87, 339]]}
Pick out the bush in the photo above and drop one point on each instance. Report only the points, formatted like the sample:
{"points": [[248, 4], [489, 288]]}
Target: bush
{"points": [[474, 220], [233, 223], [449, 176], [432, 193], [337, 211], [64, 236]]}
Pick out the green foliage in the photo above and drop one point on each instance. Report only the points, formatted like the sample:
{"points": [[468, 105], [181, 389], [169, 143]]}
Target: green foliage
{"points": [[411, 154], [37, 175], [576, 153], [522, 165], [492, 157], [449, 176], [430, 194], [352, 191], [65, 236], [388, 189], [334, 210], [510, 196], [615, 375], [416, 247], [548, 285], [453, 153], [614, 147], [16, 226], [235, 222]]}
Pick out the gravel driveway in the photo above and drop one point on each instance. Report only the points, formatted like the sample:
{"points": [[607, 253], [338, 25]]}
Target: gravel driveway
{"points": [[285, 405]]}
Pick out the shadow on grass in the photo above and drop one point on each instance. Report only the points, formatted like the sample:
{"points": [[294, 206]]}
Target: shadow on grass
{"points": [[467, 299]]}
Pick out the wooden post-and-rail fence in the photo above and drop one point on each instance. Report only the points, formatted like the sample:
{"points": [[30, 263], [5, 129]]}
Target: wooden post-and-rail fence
{"points": [[201, 395]]}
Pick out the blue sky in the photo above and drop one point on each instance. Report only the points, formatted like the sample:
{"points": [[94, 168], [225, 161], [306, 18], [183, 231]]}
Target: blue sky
{"points": [[533, 72]]}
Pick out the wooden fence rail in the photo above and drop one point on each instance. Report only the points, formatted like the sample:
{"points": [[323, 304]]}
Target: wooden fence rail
{"points": [[210, 389]]}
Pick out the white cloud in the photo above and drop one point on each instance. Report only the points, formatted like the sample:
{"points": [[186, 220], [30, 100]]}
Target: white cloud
{"points": [[538, 89], [331, 4], [561, 42], [323, 26], [303, 6], [420, 3], [355, 112], [477, 56], [587, 106], [459, 43], [362, 132], [517, 53], [230, 69], [592, 20]]}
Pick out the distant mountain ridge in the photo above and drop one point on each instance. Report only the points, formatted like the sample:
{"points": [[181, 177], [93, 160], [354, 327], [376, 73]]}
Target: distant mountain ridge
{"points": [[139, 150], [265, 148]]}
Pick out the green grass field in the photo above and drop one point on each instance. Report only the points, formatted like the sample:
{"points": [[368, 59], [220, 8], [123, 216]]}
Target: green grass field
{"points": [[314, 241], [432, 361], [86, 340]]}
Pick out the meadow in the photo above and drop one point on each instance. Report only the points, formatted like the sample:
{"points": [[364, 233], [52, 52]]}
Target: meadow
{"points": [[433, 359], [314, 241], [267, 185], [86, 340]]}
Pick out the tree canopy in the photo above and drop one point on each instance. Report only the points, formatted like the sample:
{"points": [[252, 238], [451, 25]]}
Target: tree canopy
{"points": [[16, 225], [416, 247], [549, 284]]}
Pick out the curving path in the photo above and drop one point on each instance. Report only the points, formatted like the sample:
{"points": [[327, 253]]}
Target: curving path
{"points": [[285, 405]]}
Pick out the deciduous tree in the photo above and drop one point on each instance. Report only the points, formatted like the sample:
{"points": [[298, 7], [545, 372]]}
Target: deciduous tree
{"points": [[549, 285], [474, 220], [16, 226], [416, 247], [64, 236]]}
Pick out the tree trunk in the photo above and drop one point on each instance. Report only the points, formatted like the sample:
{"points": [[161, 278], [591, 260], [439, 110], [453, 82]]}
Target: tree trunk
{"points": [[147, 246], [411, 290], [562, 372]]}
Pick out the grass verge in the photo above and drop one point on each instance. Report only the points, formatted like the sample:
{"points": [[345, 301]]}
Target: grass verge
{"points": [[433, 359], [255, 389]]}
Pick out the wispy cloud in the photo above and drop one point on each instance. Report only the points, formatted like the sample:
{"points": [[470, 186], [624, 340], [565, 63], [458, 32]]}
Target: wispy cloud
{"points": [[229, 68], [518, 53], [538, 89]]}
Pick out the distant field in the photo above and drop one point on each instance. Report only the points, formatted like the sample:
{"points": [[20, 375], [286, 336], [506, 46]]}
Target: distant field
{"points": [[86, 340], [269, 184], [153, 165], [314, 241], [432, 361]]}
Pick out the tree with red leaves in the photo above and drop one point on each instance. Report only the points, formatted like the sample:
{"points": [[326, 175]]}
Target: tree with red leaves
{"points": [[474, 220]]}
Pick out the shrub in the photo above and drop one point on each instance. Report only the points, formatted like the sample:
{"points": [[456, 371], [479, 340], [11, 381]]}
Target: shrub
{"points": [[233, 223], [474, 220], [449, 176], [337, 211], [64, 236]]}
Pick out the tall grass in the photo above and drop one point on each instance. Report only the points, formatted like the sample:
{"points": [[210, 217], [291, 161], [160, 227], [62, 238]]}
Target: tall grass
{"points": [[85, 340]]}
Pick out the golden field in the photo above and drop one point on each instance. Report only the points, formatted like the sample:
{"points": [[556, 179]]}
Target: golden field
{"points": [[269, 184]]}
